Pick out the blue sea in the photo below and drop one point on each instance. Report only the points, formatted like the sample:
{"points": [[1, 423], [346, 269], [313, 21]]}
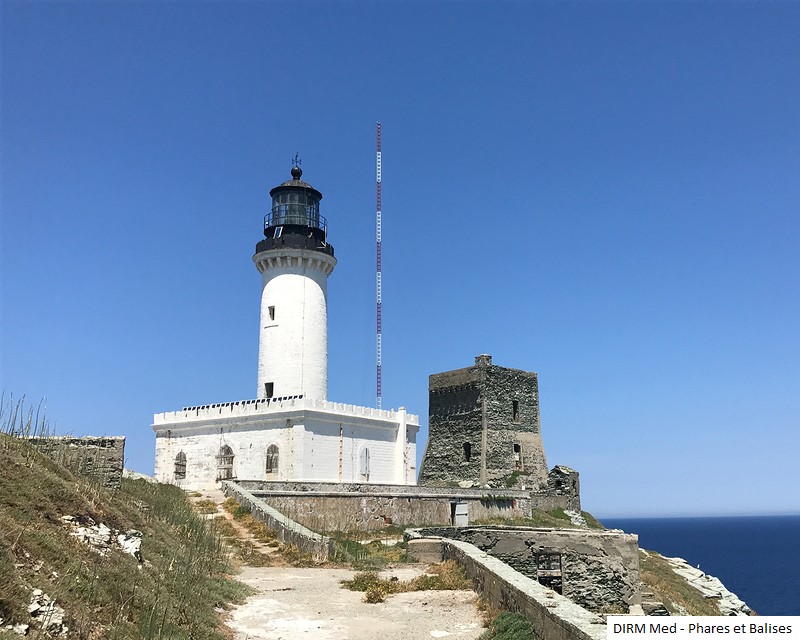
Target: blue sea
{"points": [[756, 557]]}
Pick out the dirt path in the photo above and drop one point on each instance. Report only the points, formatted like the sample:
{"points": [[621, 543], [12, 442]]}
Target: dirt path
{"points": [[309, 604], [305, 604]]}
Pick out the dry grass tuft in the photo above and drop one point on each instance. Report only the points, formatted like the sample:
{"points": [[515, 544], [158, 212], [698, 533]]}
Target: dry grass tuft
{"points": [[172, 595], [446, 576], [672, 589], [205, 507]]}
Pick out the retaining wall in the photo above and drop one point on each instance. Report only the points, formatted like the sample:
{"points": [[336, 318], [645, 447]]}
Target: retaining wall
{"points": [[361, 506], [288, 531], [552, 616], [599, 569]]}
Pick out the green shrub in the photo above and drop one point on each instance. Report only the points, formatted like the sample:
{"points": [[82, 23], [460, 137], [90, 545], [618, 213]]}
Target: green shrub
{"points": [[509, 626], [375, 594], [241, 511]]}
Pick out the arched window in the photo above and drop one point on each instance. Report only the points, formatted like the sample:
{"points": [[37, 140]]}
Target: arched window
{"points": [[272, 459], [180, 466], [225, 463], [363, 464]]}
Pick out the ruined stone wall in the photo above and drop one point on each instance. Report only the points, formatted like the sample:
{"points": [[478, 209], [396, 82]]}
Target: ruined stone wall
{"points": [[484, 428], [599, 569], [563, 490], [101, 459], [552, 616]]}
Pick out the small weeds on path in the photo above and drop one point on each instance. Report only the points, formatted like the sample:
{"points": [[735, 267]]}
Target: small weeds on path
{"points": [[488, 611], [244, 551], [509, 626], [205, 507], [247, 551], [445, 576]]}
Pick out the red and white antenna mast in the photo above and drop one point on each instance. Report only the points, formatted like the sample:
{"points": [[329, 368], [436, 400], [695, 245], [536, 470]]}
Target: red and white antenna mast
{"points": [[378, 322]]}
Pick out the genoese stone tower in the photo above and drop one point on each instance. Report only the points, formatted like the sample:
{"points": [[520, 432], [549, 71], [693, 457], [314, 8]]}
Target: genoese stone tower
{"points": [[295, 261], [484, 428]]}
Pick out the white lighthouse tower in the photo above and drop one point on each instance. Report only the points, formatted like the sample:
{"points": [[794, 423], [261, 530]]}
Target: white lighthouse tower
{"points": [[295, 261], [290, 432]]}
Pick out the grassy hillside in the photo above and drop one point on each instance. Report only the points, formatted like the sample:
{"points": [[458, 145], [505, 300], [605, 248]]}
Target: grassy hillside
{"points": [[179, 590]]}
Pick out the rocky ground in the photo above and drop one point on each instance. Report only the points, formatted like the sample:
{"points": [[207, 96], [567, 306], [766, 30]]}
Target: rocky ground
{"points": [[296, 603], [729, 603], [301, 604]]}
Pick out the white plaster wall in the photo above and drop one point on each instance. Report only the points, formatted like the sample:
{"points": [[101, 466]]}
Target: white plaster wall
{"points": [[202, 445], [293, 348], [327, 440], [310, 436]]}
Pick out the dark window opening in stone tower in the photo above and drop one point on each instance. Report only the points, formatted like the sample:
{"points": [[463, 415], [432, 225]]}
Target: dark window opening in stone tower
{"points": [[271, 311], [515, 409], [467, 451], [517, 455], [269, 389]]}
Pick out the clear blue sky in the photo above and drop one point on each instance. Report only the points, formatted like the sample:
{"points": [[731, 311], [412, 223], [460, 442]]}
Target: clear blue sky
{"points": [[604, 193]]}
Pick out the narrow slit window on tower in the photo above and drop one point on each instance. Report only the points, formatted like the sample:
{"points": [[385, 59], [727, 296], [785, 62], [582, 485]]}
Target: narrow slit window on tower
{"points": [[271, 311], [467, 451], [515, 410], [269, 389]]}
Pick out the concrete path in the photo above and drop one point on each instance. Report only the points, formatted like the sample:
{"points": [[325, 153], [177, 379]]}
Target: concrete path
{"points": [[309, 604]]}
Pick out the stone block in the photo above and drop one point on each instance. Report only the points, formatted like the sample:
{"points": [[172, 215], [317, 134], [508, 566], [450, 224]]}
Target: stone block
{"points": [[426, 550]]}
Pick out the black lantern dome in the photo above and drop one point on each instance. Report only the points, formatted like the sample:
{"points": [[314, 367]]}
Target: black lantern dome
{"points": [[294, 220]]}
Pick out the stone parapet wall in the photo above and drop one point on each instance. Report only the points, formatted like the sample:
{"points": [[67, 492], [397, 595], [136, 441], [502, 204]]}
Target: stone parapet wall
{"points": [[287, 530], [599, 569], [102, 459], [552, 616]]}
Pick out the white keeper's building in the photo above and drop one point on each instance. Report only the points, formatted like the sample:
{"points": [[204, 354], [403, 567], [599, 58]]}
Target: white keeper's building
{"points": [[290, 431]]}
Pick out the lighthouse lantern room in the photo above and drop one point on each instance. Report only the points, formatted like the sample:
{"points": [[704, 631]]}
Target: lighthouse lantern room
{"points": [[295, 260]]}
